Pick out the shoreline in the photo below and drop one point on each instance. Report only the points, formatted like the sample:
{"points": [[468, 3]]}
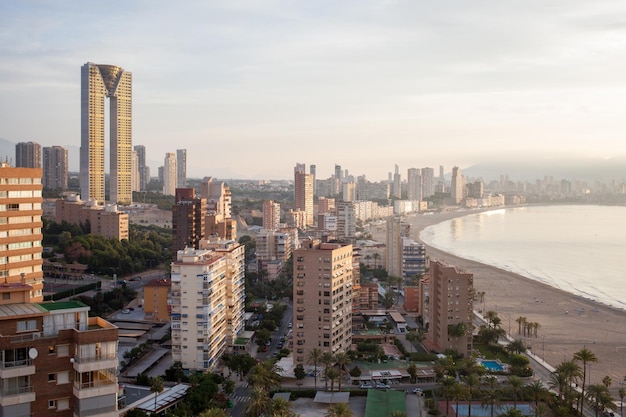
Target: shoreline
{"points": [[567, 322]]}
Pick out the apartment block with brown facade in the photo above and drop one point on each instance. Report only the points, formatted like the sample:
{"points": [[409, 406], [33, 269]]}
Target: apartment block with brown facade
{"points": [[322, 317], [105, 221], [57, 361]]}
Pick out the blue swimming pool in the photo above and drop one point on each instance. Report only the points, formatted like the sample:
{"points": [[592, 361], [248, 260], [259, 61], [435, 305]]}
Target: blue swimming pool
{"points": [[492, 365]]}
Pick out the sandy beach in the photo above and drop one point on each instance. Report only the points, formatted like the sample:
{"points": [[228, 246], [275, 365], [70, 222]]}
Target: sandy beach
{"points": [[567, 322]]}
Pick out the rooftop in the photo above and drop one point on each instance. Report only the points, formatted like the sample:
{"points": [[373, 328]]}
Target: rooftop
{"points": [[63, 305]]}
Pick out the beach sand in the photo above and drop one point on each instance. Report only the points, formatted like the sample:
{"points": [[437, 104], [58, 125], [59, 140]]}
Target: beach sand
{"points": [[567, 322]]}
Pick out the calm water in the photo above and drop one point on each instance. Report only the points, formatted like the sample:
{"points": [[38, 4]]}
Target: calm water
{"points": [[579, 249]]}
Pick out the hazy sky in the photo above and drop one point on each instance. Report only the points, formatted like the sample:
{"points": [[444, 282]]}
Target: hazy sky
{"points": [[249, 88]]}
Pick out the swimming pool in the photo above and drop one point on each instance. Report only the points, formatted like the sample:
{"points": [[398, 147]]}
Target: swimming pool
{"points": [[492, 365]]}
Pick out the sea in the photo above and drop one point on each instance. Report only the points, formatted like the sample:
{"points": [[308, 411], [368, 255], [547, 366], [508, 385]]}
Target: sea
{"points": [[580, 249]]}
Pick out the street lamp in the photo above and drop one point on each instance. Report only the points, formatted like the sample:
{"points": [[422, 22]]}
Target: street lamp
{"points": [[543, 347]]}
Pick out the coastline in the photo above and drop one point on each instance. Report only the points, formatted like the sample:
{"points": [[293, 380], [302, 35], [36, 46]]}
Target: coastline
{"points": [[568, 322]]}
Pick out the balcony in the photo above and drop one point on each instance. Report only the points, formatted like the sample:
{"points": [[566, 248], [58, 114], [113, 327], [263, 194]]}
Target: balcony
{"points": [[14, 396], [96, 388], [95, 363], [17, 368]]}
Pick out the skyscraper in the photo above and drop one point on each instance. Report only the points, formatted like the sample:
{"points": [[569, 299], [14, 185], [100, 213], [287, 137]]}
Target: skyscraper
{"points": [[303, 192], [144, 170], [97, 83], [271, 215], [169, 174], [28, 155], [414, 184], [457, 185], [181, 168], [55, 168]]}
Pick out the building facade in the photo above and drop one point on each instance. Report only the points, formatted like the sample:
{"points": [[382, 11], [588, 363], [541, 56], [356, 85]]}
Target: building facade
{"points": [[55, 165], [322, 313], [156, 300], [144, 170], [207, 303], [303, 193], [181, 168], [20, 234], [97, 83], [105, 221], [450, 309], [170, 172], [188, 214], [271, 215], [28, 155]]}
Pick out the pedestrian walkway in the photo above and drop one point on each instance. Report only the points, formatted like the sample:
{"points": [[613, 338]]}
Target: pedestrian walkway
{"points": [[241, 398]]}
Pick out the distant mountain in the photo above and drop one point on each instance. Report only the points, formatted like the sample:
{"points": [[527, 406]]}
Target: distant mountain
{"points": [[584, 169]]}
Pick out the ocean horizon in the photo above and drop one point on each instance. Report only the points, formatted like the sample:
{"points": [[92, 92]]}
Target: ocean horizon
{"points": [[576, 248]]}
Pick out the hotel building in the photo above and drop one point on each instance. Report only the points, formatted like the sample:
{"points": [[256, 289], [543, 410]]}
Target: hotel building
{"points": [[97, 83]]}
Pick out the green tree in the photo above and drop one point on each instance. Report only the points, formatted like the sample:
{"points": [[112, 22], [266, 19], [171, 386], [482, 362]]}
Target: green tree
{"points": [[472, 383], [259, 402], [585, 356], [281, 408], [327, 360], [332, 374], [339, 410], [342, 360], [515, 387], [266, 375], [412, 371], [516, 346], [156, 386], [601, 397], [213, 412], [241, 364], [299, 373], [314, 358], [622, 393]]}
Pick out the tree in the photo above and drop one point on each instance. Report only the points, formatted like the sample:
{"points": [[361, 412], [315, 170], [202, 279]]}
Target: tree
{"points": [[228, 386], [516, 346], [266, 375], [491, 399], [622, 393], [412, 371], [156, 386], [259, 402], [601, 397], [387, 301], [607, 381], [447, 389], [299, 373], [341, 360], [281, 408], [240, 363], [585, 356], [376, 256], [515, 386], [332, 374], [472, 382], [570, 372], [328, 360], [339, 410], [314, 358], [136, 412], [537, 392], [458, 393], [491, 317], [213, 412], [521, 323]]}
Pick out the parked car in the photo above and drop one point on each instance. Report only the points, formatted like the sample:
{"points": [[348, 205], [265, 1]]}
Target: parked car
{"points": [[366, 386], [418, 391], [135, 279], [382, 386], [126, 311], [290, 325]]}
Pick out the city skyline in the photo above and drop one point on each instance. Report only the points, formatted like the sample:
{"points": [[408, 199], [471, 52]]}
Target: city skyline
{"points": [[369, 84]]}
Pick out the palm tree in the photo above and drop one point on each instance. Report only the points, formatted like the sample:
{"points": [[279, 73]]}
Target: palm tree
{"points": [[516, 385], [458, 393], [266, 375], [342, 359], [156, 386], [516, 346], [447, 389], [521, 322], [281, 408], [397, 413], [339, 410], [571, 372], [412, 371], [314, 357], [512, 412], [332, 374], [376, 256], [622, 394], [607, 381], [491, 399], [472, 382], [585, 356], [213, 412], [537, 392], [259, 402], [599, 394], [491, 316], [328, 360]]}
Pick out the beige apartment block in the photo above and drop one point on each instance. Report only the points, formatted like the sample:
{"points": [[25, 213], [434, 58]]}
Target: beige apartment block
{"points": [[323, 280], [105, 221], [21, 274], [449, 303]]}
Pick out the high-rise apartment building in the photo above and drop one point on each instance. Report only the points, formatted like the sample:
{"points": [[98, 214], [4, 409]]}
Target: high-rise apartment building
{"points": [[55, 168], [134, 172], [450, 309], [20, 234], [207, 302], [457, 185], [313, 172], [28, 155], [428, 182], [97, 83], [188, 214], [397, 183], [303, 192], [414, 184], [397, 230], [346, 219], [322, 288], [218, 220], [271, 215], [413, 258], [170, 171], [181, 168], [144, 170]]}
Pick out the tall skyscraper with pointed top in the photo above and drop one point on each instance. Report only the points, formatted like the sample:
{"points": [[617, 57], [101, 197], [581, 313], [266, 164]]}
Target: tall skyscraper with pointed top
{"points": [[97, 83]]}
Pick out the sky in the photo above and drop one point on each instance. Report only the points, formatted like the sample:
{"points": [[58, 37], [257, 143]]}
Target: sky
{"points": [[250, 88]]}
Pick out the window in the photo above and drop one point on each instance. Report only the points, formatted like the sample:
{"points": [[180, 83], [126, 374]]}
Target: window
{"points": [[52, 403], [26, 325], [52, 350], [63, 377], [6, 296], [52, 377], [63, 351]]}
